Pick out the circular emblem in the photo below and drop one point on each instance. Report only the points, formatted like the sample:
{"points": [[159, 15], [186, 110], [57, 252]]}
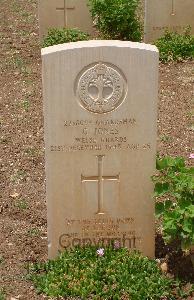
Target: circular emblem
{"points": [[101, 88]]}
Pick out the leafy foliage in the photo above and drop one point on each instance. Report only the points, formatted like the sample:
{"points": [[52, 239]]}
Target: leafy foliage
{"points": [[117, 19], [118, 273], [2, 295], [174, 186], [57, 36], [175, 46]]}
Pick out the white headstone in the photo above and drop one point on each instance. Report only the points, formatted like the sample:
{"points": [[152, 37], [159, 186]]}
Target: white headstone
{"points": [[100, 107]]}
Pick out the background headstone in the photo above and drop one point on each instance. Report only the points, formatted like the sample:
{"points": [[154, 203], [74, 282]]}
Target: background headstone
{"points": [[161, 15], [100, 107], [64, 13]]}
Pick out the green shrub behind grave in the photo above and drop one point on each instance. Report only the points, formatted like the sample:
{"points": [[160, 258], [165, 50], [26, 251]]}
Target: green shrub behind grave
{"points": [[57, 36], [117, 19], [176, 47]]}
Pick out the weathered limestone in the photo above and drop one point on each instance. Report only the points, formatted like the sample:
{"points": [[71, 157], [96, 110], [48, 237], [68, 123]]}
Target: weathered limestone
{"points": [[100, 106], [64, 13], [173, 15]]}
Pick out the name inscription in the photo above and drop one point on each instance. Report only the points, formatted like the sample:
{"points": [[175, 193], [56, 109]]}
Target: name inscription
{"points": [[101, 135]]}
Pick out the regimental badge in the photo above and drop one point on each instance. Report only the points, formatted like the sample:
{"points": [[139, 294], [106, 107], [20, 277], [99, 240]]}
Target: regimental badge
{"points": [[101, 88]]}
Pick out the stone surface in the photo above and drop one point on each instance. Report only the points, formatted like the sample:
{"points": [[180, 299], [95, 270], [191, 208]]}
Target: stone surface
{"points": [[173, 15], [64, 13], [100, 107]]}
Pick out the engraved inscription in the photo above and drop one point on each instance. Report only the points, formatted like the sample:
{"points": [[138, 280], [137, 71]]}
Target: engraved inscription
{"points": [[103, 231], [100, 147], [101, 135], [171, 28], [100, 180], [101, 88], [108, 122]]}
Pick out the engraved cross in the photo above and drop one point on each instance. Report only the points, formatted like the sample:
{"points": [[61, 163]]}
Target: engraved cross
{"points": [[173, 8], [61, 8], [100, 178], [65, 7]]}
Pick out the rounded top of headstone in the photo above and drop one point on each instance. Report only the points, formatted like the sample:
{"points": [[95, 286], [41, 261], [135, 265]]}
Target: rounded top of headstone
{"points": [[96, 44]]}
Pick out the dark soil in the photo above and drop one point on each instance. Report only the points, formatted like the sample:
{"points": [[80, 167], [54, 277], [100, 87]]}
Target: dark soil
{"points": [[179, 264], [22, 199]]}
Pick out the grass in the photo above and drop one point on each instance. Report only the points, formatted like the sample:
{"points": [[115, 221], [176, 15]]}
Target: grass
{"points": [[19, 175], [26, 104], [18, 63], [31, 152], [2, 295], [21, 204], [165, 138], [1, 259], [33, 232], [16, 7]]}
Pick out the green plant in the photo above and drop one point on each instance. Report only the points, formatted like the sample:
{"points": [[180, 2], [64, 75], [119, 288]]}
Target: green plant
{"points": [[174, 192], [21, 204], [2, 295], [16, 7], [1, 259], [34, 232], [175, 46], [26, 104], [108, 274], [117, 19], [19, 63], [165, 138], [18, 176], [57, 36], [31, 152]]}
